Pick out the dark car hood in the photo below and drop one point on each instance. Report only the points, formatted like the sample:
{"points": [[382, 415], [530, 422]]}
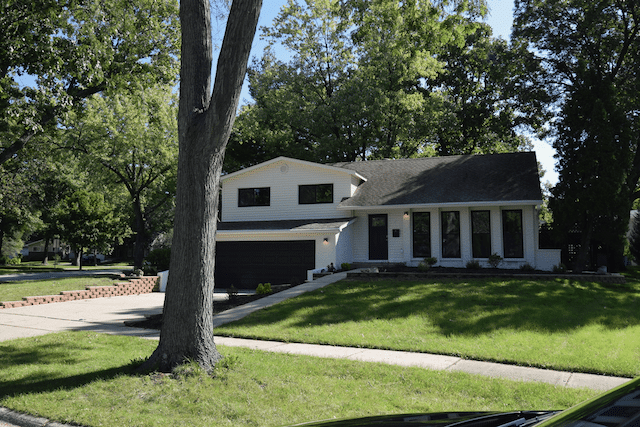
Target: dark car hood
{"points": [[440, 419]]}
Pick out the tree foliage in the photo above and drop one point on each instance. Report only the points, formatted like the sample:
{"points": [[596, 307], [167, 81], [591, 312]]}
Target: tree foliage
{"points": [[54, 54], [381, 78], [590, 50], [132, 139], [87, 221]]}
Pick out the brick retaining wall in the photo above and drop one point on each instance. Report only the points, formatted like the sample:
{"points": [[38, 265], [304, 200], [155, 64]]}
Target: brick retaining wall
{"points": [[142, 285]]}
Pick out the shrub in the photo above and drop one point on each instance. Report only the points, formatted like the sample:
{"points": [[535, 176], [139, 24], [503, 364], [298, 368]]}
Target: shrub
{"points": [[495, 260], [148, 269], [345, 266], [10, 261], [473, 265], [263, 289], [526, 267], [427, 263], [232, 292], [560, 268], [159, 258]]}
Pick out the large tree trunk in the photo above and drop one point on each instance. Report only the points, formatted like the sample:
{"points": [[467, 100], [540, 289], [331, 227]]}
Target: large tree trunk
{"points": [[141, 235], [45, 261], [583, 252], [204, 126]]}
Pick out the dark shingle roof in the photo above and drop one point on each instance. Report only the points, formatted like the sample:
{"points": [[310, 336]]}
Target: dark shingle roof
{"points": [[505, 177]]}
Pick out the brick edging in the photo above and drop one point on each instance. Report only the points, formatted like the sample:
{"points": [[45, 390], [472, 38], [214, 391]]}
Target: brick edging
{"points": [[136, 286]]}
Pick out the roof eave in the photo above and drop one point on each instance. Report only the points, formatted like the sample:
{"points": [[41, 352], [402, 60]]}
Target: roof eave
{"points": [[447, 205]]}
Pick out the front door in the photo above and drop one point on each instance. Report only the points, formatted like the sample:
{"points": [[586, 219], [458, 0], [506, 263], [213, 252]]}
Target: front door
{"points": [[378, 245]]}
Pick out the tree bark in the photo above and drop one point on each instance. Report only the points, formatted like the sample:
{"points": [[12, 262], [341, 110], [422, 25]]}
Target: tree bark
{"points": [[141, 234], [45, 260], [204, 126], [583, 252]]}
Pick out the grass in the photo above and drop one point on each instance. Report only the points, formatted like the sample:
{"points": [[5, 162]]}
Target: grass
{"points": [[15, 291], [88, 378], [559, 324], [38, 267]]}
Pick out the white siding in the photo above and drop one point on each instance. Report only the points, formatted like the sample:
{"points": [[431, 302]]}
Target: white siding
{"points": [[283, 178]]}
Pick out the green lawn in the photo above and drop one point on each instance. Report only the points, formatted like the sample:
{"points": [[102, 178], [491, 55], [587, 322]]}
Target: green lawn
{"points": [[88, 378], [38, 267], [559, 324], [15, 291]]}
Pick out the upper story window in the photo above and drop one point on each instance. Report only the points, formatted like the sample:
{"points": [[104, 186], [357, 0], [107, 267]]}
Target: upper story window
{"points": [[317, 193], [254, 196]]}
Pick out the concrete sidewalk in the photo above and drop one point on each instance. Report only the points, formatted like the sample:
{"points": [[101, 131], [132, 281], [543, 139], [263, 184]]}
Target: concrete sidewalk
{"points": [[107, 315]]}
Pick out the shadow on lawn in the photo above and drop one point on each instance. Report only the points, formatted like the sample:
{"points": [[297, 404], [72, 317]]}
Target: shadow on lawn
{"points": [[466, 307], [39, 380]]}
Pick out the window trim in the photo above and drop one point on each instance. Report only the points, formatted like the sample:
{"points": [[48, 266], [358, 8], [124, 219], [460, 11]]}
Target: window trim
{"points": [[254, 196], [315, 191]]}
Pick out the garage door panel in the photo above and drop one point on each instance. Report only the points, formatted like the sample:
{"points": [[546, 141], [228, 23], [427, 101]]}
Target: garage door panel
{"points": [[246, 264]]}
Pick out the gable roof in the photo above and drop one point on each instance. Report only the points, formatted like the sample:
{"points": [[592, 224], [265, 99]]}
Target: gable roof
{"points": [[471, 179], [290, 160]]}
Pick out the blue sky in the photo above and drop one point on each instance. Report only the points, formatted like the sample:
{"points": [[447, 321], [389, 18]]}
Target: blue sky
{"points": [[500, 19]]}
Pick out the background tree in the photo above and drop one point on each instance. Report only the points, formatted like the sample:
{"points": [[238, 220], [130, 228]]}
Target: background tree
{"points": [[634, 236], [18, 214], [54, 54], [482, 99], [590, 51], [205, 120], [132, 138], [86, 221], [382, 78]]}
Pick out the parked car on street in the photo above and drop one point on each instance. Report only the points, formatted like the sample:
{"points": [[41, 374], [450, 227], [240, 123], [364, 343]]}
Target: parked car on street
{"points": [[619, 407]]}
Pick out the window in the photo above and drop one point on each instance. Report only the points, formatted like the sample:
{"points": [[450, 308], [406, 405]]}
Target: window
{"points": [[481, 233], [312, 194], [512, 234], [421, 235], [254, 197], [451, 234]]}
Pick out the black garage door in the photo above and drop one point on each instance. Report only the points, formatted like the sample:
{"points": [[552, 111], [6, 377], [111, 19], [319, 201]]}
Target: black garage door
{"points": [[246, 264]]}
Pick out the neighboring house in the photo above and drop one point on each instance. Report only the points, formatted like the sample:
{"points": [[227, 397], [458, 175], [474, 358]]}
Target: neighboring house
{"points": [[34, 251], [285, 217]]}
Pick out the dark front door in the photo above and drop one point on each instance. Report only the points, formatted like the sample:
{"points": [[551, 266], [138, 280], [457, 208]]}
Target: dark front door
{"points": [[378, 245]]}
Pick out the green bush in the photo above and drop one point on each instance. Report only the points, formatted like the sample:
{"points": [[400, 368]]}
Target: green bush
{"points": [[427, 263], [560, 268], [159, 258], [345, 266], [232, 292], [263, 289], [526, 267], [5, 260], [495, 260], [473, 265]]}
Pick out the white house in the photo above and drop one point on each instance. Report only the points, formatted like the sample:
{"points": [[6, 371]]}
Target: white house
{"points": [[284, 217]]}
